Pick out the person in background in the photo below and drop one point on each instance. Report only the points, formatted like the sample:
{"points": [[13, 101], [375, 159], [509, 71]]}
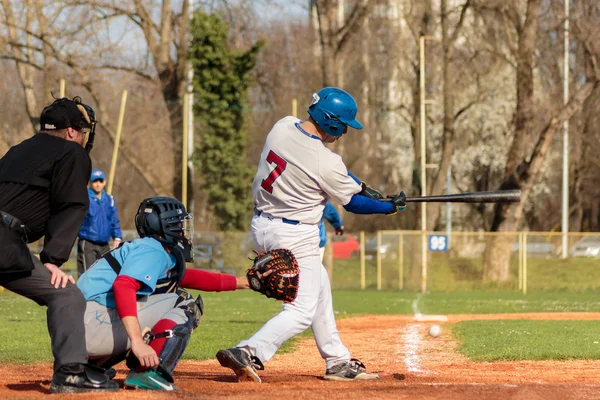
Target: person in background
{"points": [[100, 224], [333, 217]]}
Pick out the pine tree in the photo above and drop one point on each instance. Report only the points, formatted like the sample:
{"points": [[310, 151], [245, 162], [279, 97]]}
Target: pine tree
{"points": [[221, 81]]}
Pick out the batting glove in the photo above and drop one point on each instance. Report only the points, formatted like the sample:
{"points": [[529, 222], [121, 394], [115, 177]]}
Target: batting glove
{"points": [[398, 202], [370, 192], [340, 230]]}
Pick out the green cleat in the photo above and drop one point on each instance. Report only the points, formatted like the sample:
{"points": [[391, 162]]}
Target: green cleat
{"points": [[149, 380]]}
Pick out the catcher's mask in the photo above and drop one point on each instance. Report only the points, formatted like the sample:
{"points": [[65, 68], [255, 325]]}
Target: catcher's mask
{"points": [[166, 219], [91, 131], [334, 109], [64, 113]]}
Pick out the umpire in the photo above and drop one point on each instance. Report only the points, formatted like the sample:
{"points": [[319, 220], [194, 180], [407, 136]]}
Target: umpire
{"points": [[43, 192]]}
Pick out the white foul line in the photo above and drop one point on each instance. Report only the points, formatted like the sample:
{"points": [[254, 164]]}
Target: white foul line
{"points": [[411, 338]]}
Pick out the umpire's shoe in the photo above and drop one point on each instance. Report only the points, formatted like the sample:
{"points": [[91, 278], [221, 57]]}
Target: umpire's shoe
{"points": [[352, 370], [92, 379], [242, 363]]}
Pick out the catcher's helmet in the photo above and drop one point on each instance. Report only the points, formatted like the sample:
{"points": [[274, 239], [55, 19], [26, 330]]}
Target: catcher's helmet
{"points": [[166, 219], [333, 110]]}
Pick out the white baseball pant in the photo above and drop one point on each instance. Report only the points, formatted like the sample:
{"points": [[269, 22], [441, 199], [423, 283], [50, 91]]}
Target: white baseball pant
{"points": [[313, 306]]}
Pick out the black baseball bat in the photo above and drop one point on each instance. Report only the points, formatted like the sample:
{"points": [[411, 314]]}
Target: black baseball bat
{"points": [[496, 196]]}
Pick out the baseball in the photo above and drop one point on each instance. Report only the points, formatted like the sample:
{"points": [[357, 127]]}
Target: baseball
{"points": [[434, 330]]}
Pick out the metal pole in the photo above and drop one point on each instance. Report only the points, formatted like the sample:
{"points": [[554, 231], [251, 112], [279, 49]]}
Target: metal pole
{"points": [[401, 261], [449, 205], [184, 150], [190, 130], [520, 255], [190, 143], [565, 177], [329, 257], [423, 161], [525, 263], [362, 261], [113, 163], [378, 260]]}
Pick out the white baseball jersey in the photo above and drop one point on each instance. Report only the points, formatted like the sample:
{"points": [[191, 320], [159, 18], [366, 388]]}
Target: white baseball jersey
{"points": [[297, 173]]}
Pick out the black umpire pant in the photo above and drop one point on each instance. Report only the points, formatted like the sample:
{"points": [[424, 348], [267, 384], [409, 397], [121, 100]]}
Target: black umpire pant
{"points": [[66, 308], [87, 254]]}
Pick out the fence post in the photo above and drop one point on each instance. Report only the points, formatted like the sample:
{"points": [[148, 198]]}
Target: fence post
{"points": [[525, 263], [362, 261], [378, 260], [424, 261], [329, 256], [520, 256], [401, 261]]}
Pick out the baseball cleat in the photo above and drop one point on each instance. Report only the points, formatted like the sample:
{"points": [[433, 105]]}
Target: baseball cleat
{"points": [[149, 380], [90, 380], [240, 361], [111, 373], [352, 370]]}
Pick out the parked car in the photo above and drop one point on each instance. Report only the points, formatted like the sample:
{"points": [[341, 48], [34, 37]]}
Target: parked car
{"points": [[588, 246], [538, 249], [344, 246], [388, 248]]}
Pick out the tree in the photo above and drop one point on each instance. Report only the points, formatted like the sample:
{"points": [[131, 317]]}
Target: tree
{"points": [[221, 80], [450, 114], [525, 155], [334, 29], [101, 47], [86, 54]]}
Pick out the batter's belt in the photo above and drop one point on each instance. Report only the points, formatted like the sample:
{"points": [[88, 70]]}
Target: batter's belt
{"points": [[257, 212]]}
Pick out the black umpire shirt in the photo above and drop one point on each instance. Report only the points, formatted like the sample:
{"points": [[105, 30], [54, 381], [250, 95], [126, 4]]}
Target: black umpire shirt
{"points": [[43, 182]]}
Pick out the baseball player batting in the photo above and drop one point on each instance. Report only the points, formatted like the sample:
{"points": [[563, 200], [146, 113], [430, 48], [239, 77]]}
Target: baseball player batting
{"points": [[296, 176]]}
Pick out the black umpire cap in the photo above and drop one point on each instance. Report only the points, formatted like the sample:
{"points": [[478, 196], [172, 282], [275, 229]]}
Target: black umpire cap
{"points": [[64, 113]]}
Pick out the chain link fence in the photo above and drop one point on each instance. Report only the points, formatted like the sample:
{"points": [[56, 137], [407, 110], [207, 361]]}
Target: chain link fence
{"points": [[416, 261]]}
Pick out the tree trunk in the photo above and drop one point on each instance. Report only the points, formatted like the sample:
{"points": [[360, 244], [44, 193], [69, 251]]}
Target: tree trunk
{"points": [[508, 216], [327, 16], [26, 71], [439, 181]]}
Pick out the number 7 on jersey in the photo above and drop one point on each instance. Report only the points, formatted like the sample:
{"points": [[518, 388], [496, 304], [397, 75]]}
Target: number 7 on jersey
{"points": [[280, 165]]}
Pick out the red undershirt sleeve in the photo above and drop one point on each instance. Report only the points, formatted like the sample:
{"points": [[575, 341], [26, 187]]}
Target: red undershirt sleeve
{"points": [[208, 281], [125, 290]]}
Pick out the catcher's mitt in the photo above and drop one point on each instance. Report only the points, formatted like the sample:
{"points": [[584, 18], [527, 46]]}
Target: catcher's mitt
{"points": [[282, 282]]}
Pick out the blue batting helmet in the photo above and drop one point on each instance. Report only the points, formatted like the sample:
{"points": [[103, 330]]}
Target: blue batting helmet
{"points": [[333, 110]]}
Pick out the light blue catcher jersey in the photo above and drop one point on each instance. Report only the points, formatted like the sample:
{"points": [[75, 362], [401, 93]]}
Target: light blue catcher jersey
{"points": [[145, 260]]}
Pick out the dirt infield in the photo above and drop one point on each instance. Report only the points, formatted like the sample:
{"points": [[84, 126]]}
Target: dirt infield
{"points": [[410, 363]]}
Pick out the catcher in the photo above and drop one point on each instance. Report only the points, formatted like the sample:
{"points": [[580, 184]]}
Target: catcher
{"points": [[136, 307]]}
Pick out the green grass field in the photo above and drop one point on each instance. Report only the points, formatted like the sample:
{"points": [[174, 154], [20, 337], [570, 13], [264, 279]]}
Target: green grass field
{"points": [[528, 340], [232, 316], [463, 274]]}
